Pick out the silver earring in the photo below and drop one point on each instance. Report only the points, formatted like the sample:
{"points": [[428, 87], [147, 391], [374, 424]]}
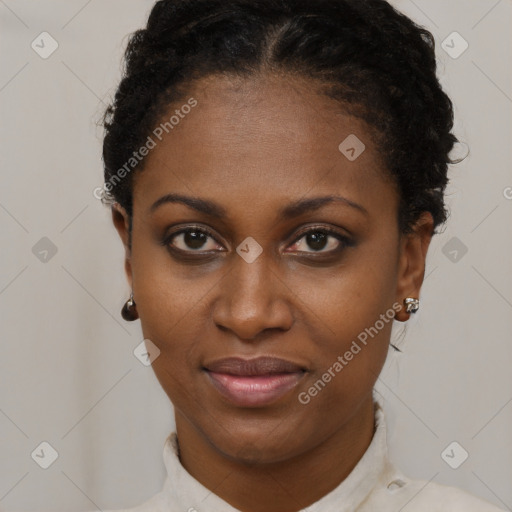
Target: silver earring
{"points": [[411, 305]]}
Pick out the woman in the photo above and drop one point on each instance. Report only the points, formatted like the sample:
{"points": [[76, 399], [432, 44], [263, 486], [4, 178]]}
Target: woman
{"points": [[276, 170]]}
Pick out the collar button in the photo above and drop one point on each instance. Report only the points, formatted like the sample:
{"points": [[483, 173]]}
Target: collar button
{"points": [[395, 485]]}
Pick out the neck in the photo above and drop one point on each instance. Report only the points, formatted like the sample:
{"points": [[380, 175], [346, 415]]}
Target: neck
{"points": [[285, 486]]}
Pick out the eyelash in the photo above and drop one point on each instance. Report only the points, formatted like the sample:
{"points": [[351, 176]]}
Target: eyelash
{"points": [[344, 240]]}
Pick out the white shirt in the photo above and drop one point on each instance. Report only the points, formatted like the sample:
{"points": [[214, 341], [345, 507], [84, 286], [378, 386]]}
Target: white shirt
{"points": [[374, 485]]}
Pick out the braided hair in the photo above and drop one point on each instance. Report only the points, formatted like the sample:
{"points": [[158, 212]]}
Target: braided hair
{"points": [[378, 63]]}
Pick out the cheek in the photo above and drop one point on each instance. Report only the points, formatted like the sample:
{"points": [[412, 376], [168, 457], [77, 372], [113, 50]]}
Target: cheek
{"points": [[356, 308], [353, 295], [162, 293], [175, 313], [164, 302]]}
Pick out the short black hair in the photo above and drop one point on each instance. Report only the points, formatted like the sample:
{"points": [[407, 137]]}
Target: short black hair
{"points": [[376, 61]]}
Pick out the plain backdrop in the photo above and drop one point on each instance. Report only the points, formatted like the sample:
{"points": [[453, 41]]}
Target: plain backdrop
{"points": [[68, 374]]}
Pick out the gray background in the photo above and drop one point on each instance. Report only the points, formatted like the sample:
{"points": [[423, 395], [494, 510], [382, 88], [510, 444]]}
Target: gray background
{"points": [[68, 375]]}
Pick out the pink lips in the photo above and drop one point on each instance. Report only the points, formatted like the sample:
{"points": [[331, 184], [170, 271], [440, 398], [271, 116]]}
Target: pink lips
{"points": [[254, 382]]}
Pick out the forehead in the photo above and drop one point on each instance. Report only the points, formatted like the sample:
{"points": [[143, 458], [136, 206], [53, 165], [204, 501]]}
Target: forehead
{"points": [[262, 139]]}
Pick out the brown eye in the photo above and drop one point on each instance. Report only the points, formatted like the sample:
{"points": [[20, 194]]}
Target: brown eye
{"points": [[191, 240], [320, 239]]}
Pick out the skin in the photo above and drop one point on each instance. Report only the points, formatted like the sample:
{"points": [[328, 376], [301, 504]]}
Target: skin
{"points": [[253, 146]]}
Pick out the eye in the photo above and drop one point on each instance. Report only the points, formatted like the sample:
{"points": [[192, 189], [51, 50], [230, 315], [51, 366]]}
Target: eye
{"points": [[319, 239], [193, 239]]}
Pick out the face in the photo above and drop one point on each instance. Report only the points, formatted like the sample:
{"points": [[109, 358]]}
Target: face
{"points": [[264, 268]]}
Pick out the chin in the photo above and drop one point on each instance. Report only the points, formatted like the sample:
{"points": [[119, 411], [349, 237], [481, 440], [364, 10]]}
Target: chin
{"points": [[257, 445]]}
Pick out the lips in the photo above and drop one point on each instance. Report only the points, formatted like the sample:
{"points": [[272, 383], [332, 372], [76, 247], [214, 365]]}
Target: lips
{"points": [[253, 367], [254, 382]]}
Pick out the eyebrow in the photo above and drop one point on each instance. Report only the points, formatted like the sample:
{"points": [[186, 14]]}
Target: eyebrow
{"points": [[289, 211]]}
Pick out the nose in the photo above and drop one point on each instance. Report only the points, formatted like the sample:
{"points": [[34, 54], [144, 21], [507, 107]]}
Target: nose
{"points": [[253, 300]]}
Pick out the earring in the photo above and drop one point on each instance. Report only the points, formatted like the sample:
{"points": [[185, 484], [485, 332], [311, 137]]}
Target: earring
{"points": [[411, 305], [129, 311]]}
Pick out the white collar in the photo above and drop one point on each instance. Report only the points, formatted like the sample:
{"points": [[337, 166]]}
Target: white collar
{"points": [[181, 491]]}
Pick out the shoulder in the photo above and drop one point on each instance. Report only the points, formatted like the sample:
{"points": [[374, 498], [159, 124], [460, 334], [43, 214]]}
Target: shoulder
{"points": [[425, 496], [434, 497]]}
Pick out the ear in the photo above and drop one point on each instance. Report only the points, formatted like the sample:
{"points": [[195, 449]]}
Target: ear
{"points": [[121, 221], [412, 257]]}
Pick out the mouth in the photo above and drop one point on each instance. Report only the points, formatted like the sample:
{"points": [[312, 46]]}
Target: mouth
{"points": [[254, 382]]}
